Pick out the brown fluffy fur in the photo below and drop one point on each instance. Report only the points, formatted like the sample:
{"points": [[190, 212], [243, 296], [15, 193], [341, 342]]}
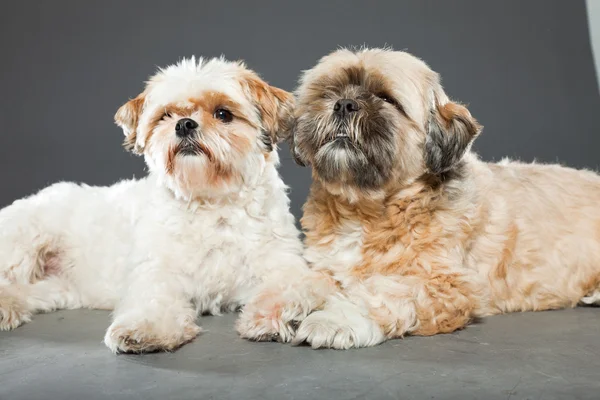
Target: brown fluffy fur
{"points": [[438, 237]]}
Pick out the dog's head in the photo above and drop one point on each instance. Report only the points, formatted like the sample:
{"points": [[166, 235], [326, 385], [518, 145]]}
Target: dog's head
{"points": [[206, 127], [366, 118]]}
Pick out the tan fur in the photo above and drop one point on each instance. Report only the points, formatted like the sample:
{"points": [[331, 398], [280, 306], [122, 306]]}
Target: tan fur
{"points": [[274, 104], [127, 118], [428, 251]]}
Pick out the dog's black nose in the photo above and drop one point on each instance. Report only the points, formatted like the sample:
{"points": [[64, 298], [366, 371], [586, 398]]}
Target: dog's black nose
{"points": [[185, 127], [345, 107]]}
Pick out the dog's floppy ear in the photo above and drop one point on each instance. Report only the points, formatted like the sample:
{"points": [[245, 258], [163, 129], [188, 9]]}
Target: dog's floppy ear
{"points": [[127, 117], [296, 154], [450, 132], [276, 107]]}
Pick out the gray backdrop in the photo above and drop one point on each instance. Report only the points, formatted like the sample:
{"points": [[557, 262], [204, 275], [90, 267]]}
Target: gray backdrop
{"points": [[524, 67]]}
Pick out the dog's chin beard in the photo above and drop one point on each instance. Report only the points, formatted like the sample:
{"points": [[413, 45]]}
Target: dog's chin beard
{"points": [[341, 159], [338, 159], [186, 150]]}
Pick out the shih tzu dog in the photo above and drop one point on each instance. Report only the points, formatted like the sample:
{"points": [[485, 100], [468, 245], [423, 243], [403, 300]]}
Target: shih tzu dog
{"points": [[411, 231], [201, 233]]}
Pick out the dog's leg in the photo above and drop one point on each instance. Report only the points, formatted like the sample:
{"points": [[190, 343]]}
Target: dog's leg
{"points": [[19, 301], [155, 314], [288, 294], [385, 307], [27, 250], [30, 265]]}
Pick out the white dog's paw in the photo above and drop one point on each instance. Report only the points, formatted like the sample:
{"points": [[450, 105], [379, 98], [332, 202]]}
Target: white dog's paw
{"points": [[145, 336], [270, 319], [337, 330], [13, 311], [261, 327]]}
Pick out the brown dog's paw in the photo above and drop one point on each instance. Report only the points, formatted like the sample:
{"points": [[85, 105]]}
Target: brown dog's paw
{"points": [[335, 329]]}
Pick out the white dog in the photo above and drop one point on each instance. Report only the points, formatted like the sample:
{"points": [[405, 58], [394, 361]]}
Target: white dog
{"points": [[198, 235]]}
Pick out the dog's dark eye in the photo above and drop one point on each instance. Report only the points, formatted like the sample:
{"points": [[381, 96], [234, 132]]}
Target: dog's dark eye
{"points": [[387, 99], [165, 115], [390, 100], [223, 114]]}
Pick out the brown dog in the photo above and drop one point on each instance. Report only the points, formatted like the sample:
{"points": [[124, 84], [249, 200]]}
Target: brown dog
{"points": [[419, 235]]}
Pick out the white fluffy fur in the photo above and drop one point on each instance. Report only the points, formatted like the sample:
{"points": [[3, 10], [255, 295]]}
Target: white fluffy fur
{"points": [[157, 253]]}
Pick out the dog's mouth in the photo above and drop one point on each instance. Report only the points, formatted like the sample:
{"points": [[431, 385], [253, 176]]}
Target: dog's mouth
{"points": [[189, 148], [338, 136], [192, 148]]}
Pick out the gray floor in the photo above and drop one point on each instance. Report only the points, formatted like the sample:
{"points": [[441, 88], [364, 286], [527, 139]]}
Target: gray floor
{"points": [[546, 355]]}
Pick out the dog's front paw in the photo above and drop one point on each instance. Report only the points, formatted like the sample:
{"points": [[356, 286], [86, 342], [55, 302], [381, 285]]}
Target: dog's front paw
{"points": [[328, 329], [145, 336], [268, 323]]}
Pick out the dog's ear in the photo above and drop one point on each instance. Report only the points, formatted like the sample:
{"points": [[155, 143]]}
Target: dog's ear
{"points": [[450, 133], [296, 153], [276, 107], [127, 117]]}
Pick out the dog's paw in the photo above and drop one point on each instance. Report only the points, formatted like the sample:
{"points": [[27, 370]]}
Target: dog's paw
{"points": [[13, 312], [328, 329], [592, 299], [144, 337], [267, 324]]}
